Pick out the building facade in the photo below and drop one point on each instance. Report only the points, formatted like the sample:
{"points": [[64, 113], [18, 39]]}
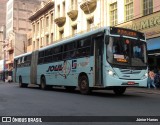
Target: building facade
{"points": [[17, 27], [59, 19], [67, 18], [3, 12], [42, 26]]}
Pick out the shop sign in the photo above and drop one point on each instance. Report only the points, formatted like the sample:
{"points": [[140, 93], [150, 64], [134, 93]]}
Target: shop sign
{"points": [[144, 23]]}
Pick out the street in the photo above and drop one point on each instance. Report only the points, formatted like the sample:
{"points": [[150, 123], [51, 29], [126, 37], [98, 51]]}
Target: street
{"points": [[15, 101]]}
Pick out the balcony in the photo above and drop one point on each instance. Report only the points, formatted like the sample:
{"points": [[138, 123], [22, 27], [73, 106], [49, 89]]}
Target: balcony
{"points": [[60, 21], [88, 6], [73, 13]]}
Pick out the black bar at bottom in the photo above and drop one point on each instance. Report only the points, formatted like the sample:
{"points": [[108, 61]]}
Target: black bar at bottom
{"points": [[80, 119], [101, 119]]}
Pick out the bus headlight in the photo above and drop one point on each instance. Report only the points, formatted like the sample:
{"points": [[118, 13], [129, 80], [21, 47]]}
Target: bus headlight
{"points": [[145, 76], [110, 72]]}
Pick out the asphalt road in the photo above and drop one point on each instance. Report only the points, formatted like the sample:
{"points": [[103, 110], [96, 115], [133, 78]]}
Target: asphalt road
{"points": [[15, 101]]}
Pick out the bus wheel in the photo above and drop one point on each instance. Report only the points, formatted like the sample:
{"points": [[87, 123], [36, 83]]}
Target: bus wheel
{"points": [[84, 85], [119, 90], [43, 83]]}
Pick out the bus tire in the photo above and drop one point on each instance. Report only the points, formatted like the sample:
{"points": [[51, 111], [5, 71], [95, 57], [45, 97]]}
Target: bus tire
{"points": [[84, 85], [119, 90], [43, 83], [21, 84]]}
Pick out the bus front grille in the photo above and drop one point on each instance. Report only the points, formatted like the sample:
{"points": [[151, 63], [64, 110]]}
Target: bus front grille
{"points": [[130, 71]]}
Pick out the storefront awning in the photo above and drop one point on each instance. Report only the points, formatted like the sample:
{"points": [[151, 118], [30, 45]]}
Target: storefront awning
{"points": [[153, 44]]}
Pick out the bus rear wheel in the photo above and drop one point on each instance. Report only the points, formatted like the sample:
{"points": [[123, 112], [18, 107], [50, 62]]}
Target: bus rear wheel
{"points": [[84, 85], [119, 90], [43, 85]]}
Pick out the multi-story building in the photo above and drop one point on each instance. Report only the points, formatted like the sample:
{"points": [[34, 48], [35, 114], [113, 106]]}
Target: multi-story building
{"points": [[17, 27], [3, 12], [58, 19], [71, 17], [2, 25], [42, 25]]}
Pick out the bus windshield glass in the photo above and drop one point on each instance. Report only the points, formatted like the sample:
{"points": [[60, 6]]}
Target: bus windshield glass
{"points": [[126, 52]]}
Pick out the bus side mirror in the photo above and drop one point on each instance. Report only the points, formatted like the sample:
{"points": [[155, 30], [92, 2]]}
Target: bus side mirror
{"points": [[106, 39]]}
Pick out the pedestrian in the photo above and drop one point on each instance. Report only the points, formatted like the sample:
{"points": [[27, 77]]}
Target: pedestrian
{"points": [[150, 81]]}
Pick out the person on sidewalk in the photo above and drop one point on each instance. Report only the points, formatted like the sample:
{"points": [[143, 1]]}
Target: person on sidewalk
{"points": [[150, 81]]}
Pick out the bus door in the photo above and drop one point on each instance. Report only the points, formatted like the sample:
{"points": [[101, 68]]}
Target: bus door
{"points": [[33, 70], [98, 60]]}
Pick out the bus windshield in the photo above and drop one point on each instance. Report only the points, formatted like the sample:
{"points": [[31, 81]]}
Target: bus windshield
{"points": [[126, 52]]}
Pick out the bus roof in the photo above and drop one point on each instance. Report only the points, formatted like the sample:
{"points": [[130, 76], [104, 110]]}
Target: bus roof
{"points": [[25, 54], [76, 37]]}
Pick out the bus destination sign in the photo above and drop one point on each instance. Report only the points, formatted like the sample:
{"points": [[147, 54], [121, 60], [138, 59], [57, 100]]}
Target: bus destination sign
{"points": [[126, 33]]}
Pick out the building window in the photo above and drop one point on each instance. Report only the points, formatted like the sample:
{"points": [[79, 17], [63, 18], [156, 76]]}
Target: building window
{"points": [[90, 22], [52, 19], [37, 43], [51, 37], [63, 8], [113, 14], [42, 23], [47, 40], [38, 27], [73, 5], [58, 10], [74, 29], [129, 9], [147, 7], [61, 34], [41, 43], [33, 28], [47, 21], [29, 41]]}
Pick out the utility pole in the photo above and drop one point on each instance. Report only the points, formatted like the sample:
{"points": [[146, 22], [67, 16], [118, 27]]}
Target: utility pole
{"points": [[4, 62]]}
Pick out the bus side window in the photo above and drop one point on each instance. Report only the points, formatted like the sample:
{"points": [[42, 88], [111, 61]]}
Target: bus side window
{"points": [[69, 50], [22, 59], [19, 61], [84, 47], [41, 57], [59, 56], [48, 59], [29, 60]]}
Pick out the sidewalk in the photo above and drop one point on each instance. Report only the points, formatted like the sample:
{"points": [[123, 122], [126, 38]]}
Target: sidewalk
{"points": [[145, 90]]}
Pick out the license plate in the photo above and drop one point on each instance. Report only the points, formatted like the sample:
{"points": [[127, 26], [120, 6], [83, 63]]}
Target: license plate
{"points": [[131, 83]]}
